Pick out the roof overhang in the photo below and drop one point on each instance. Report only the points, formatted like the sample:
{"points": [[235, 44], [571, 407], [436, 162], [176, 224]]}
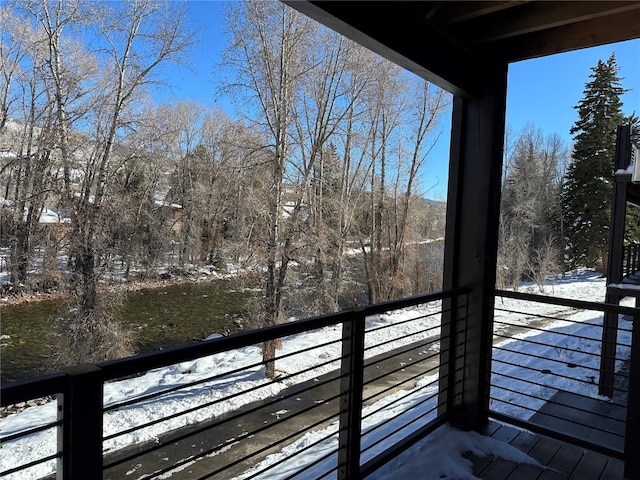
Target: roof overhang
{"points": [[452, 43]]}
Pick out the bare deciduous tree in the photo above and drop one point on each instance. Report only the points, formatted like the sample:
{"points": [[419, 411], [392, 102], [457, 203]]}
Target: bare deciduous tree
{"points": [[31, 139], [269, 43], [403, 114], [138, 36], [530, 209]]}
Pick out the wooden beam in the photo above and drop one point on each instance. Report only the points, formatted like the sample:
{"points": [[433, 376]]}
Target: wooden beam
{"points": [[453, 12], [535, 17], [597, 31], [394, 31]]}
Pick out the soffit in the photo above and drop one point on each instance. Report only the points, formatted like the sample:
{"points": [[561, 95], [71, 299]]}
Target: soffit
{"points": [[453, 43]]}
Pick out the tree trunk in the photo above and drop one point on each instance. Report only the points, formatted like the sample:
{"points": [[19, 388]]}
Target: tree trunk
{"points": [[605, 261]]}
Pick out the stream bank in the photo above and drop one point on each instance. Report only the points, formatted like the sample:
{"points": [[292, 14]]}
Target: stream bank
{"points": [[164, 316]]}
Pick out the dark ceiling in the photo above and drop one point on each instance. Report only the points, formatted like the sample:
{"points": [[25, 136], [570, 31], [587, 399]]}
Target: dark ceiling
{"points": [[451, 43]]}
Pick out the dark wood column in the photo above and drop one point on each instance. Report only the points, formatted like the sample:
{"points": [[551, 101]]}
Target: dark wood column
{"points": [[471, 244], [614, 265]]}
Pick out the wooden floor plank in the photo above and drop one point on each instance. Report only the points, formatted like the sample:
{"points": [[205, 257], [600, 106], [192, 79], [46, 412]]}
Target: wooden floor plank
{"points": [[525, 472], [505, 434], [525, 441], [499, 469], [614, 470], [491, 428], [545, 450], [559, 460], [599, 421], [553, 420], [553, 475], [606, 439], [567, 458], [479, 463], [590, 466]]}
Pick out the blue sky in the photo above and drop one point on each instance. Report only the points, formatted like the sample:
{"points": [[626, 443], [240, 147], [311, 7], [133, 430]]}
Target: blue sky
{"points": [[541, 91]]}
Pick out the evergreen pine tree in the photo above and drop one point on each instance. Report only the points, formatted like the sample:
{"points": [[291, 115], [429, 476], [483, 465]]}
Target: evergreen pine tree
{"points": [[588, 188]]}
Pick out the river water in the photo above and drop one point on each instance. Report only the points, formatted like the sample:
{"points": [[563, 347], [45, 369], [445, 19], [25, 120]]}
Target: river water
{"points": [[161, 318]]}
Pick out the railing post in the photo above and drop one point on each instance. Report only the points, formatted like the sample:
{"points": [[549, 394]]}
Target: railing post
{"points": [[609, 347], [632, 425], [80, 409], [351, 381], [627, 255]]}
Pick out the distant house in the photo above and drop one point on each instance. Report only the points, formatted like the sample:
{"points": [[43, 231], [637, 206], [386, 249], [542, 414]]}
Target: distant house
{"points": [[54, 215], [56, 222]]}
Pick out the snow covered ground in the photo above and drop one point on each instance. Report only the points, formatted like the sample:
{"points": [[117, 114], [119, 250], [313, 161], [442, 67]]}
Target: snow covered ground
{"points": [[439, 456]]}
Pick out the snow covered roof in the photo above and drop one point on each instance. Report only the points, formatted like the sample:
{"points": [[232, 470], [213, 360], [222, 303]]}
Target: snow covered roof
{"points": [[50, 215], [160, 200]]}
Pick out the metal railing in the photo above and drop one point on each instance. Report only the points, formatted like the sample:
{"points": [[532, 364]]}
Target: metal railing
{"points": [[630, 259], [336, 406], [546, 369]]}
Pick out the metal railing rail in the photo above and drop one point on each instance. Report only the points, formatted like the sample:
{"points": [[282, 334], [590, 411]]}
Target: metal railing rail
{"points": [[613, 424], [429, 363], [81, 409], [630, 259]]}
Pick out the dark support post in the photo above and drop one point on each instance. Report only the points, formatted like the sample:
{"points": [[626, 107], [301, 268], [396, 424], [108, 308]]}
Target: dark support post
{"points": [[619, 212], [614, 266], [352, 377], [608, 351], [632, 426], [627, 258], [473, 210], [80, 435]]}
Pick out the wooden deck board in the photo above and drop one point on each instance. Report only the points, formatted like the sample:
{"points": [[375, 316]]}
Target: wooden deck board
{"points": [[525, 441], [503, 433], [525, 471], [553, 475], [591, 466], [557, 460], [479, 463], [613, 471], [545, 450], [598, 421], [498, 469], [566, 455], [491, 429]]}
